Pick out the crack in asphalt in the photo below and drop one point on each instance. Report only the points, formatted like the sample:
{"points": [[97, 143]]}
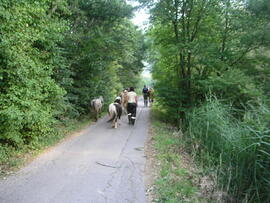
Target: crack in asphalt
{"points": [[114, 174]]}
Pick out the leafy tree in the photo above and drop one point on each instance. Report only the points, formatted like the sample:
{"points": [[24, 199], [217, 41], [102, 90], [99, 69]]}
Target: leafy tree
{"points": [[219, 47], [29, 35], [202, 39], [105, 50], [56, 56]]}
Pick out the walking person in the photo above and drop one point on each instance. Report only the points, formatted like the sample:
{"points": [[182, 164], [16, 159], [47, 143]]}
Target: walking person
{"points": [[145, 95], [132, 105]]}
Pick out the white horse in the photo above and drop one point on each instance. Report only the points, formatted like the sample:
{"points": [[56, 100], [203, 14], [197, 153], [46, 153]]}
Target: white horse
{"points": [[96, 105], [115, 112]]}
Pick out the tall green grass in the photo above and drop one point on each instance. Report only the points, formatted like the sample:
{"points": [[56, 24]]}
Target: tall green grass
{"points": [[239, 150]]}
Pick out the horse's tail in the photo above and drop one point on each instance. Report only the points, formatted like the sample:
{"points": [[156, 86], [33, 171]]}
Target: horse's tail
{"points": [[93, 102], [118, 110], [112, 112], [113, 117]]}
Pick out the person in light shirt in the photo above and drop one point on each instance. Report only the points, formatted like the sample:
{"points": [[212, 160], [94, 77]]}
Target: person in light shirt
{"points": [[132, 105]]}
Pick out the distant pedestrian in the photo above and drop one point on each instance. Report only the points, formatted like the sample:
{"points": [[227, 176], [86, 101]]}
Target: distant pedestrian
{"points": [[145, 95]]}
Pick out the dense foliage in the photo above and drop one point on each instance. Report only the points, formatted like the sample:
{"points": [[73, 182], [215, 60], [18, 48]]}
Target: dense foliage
{"points": [[56, 56], [218, 49], [105, 51], [29, 54]]}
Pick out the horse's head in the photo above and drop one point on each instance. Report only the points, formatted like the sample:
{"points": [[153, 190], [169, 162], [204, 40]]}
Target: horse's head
{"points": [[117, 100]]}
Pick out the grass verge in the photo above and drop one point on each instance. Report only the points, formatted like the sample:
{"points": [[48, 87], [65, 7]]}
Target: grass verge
{"points": [[177, 180]]}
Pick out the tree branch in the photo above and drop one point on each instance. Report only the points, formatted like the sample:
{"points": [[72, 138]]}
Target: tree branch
{"points": [[199, 18]]}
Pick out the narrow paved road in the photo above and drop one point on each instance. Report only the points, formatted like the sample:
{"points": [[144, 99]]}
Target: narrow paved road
{"points": [[101, 165]]}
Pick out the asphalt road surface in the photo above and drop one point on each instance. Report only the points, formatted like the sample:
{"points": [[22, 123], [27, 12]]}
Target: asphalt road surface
{"points": [[99, 165]]}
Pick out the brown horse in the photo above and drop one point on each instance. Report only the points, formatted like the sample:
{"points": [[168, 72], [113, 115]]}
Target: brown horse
{"points": [[151, 95], [124, 100]]}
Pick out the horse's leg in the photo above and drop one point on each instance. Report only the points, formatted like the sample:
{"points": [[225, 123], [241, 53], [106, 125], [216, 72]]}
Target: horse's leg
{"points": [[126, 108], [123, 110], [96, 115], [123, 107], [100, 111]]}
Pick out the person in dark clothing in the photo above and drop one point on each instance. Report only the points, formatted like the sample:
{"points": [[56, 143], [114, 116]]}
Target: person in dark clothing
{"points": [[145, 95]]}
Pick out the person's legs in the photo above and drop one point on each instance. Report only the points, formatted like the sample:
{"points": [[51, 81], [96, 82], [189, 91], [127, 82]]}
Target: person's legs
{"points": [[145, 99], [129, 111], [131, 108], [133, 113]]}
